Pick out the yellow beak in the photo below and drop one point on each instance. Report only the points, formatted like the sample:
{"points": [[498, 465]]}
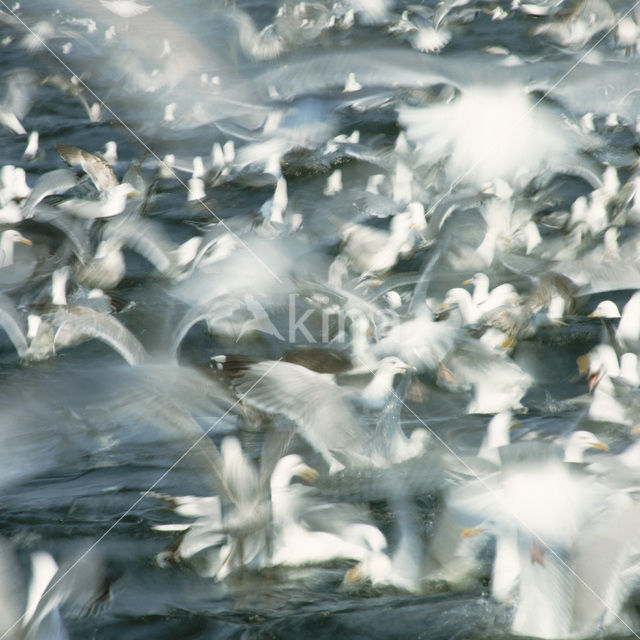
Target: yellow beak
{"points": [[308, 474], [354, 574], [583, 365]]}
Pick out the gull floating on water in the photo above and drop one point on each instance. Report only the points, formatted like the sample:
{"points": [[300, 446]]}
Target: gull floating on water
{"points": [[541, 547], [267, 523]]}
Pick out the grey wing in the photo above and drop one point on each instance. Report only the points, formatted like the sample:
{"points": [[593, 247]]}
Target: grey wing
{"points": [[52, 182], [103, 327], [96, 168], [75, 231], [21, 88], [147, 239], [11, 322], [274, 447], [213, 311], [315, 403], [11, 585]]}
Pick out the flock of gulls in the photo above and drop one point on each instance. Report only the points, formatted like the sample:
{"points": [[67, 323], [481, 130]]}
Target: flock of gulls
{"points": [[307, 240]]}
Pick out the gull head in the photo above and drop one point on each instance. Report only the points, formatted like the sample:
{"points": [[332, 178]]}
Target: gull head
{"points": [[290, 467], [11, 236], [601, 361], [579, 442], [394, 365], [605, 309]]}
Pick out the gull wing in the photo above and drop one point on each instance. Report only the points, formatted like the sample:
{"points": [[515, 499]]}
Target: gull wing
{"points": [[324, 415], [147, 239], [13, 325], [95, 167], [50, 183], [103, 327]]}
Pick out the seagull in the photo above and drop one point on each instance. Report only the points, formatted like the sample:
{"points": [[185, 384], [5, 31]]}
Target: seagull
{"points": [[45, 340], [12, 323], [112, 202], [95, 167], [296, 542], [372, 250], [259, 523], [148, 239], [18, 98], [615, 396], [231, 529], [50, 183], [36, 615], [418, 341], [487, 300], [578, 442], [496, 436], [8, 239], [75, 320], [328, 419], [542, 513], [461, 299], [107, 267], [605, 309], [628, 332], [113, 194], [31, 150], [496, 381], [14, 183], [351, 84]]}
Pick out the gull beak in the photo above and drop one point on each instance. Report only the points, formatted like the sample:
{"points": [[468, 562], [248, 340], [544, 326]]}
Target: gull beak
{"points": [[25, 241], [354, 574], [133, 193], [446, 374], [468, 281], [308, 474], [515, 424], [600, 446], [444, 306], [593, 380], [583, 365], [508, 343], [469, 532], [635, 430]]}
